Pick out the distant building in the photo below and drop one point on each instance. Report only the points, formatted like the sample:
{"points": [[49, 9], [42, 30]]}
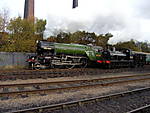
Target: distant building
{"points": [[29, 9]]}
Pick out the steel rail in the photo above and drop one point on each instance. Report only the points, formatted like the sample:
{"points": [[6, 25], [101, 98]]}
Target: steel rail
{"points": [[140, 110], [80, 102], [48, 90], [71, 81]]}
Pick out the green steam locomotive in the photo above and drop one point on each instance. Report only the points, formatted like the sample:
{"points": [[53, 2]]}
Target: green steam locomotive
{"points": [[61, 55]]}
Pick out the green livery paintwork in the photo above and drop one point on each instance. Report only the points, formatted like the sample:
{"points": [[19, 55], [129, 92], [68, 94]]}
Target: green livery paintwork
{"points": [[74, 49], [148, 57]]}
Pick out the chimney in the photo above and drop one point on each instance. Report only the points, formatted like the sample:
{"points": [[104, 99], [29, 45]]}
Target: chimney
{"points": [[29, 9]]}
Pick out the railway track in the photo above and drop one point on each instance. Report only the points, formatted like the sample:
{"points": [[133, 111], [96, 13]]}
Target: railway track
{"points": [[80, 103], [51, 73], [9, 91]]}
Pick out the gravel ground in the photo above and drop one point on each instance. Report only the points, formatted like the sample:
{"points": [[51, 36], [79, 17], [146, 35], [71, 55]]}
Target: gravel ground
{"points": [[21, 103], [115, 105]]}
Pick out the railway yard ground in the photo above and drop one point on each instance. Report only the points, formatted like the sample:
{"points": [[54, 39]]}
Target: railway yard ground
{"points": [[75, 91]]}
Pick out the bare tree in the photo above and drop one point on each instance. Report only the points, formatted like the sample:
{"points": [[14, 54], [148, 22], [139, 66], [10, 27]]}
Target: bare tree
{"points": [[4, 19]]}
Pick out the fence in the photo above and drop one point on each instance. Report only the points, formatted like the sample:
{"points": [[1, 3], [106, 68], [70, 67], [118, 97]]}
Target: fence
{"points": [[13, 59]]}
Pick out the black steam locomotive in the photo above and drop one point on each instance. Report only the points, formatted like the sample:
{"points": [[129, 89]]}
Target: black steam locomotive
{"points": [[121, 57]]}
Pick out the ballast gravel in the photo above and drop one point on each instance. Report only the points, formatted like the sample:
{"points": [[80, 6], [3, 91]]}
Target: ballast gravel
{"points": [[35, 101]]}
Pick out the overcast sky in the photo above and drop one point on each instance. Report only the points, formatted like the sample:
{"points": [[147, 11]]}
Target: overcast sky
{"points": [[125, 19]]}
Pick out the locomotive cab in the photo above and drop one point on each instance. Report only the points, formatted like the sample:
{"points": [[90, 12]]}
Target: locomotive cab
{"points": [[139, 58], [45, 48]]}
